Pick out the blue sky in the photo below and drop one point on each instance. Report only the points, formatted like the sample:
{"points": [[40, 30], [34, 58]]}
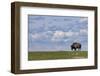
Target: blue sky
{"points": [[55, 33]]}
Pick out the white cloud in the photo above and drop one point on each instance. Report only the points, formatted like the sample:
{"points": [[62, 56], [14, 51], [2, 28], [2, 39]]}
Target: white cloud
{"points": [[43, 35], [69, 34], [55, 35], [60, 35], [83, 31], [35, 36]]}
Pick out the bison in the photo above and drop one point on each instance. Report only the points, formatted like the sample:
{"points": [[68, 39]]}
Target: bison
{"points": [[76, 46]]}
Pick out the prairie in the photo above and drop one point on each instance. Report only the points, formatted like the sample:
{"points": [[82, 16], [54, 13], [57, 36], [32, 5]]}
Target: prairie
{"points": [[57, 55]]}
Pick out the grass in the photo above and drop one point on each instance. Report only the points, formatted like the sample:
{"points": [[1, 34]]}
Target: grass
{"points": [[57, 55]]}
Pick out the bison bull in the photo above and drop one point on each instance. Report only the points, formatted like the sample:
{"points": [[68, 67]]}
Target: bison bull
{"points": [[76, 46]]}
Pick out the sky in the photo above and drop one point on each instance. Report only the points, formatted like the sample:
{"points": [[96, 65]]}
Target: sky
{"points": [[56, 33]]}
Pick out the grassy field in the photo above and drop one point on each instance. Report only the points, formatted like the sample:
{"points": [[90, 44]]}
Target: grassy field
{"points": [[57, 55]]}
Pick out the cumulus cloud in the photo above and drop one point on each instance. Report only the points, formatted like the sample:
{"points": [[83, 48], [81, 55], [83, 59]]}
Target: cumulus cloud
{"points": [[43, 35], [54, 35], [59, 35], [35, 36], [83, 31]]}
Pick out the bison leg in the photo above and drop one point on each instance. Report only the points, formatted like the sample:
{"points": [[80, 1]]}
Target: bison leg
{"points": [[75, 49]]}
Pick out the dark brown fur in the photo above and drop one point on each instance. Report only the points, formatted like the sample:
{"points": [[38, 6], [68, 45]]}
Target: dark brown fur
{"points": [[76, 46]]}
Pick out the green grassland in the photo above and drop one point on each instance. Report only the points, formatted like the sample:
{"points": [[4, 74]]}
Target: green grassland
{"points": [[57, 55]]}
